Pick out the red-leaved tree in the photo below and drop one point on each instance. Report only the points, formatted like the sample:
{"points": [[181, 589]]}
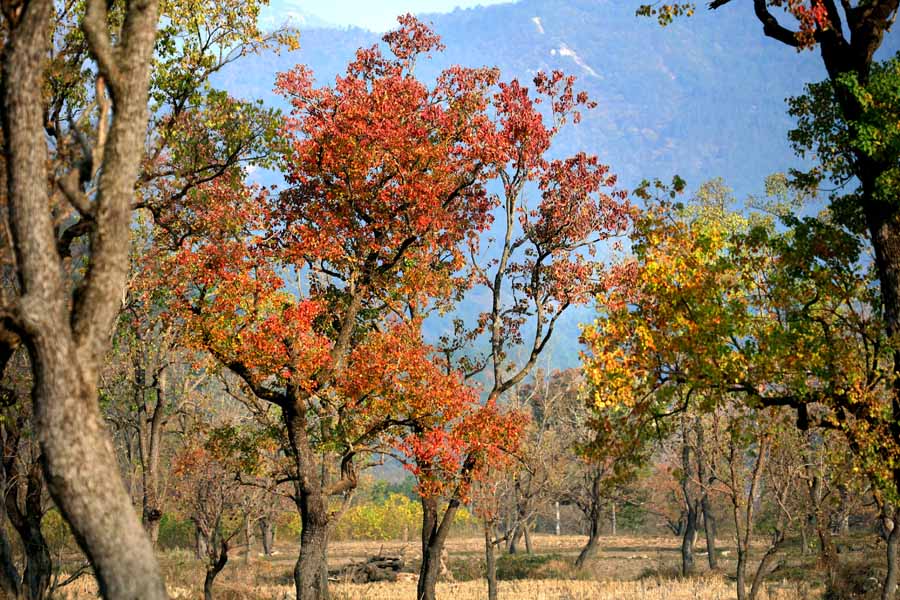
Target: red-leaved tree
{"points": [[297, 292]]}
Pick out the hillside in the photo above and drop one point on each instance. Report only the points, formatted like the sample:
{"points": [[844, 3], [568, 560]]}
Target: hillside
{"points": [[702, 98]]}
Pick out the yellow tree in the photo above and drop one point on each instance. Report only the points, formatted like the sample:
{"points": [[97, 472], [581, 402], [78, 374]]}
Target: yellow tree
{"points": [[715, 305]]}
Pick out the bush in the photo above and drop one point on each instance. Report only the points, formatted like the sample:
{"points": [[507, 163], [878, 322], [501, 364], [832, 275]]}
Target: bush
{"points": [[175, 532], [531, 566], [855, 581], [397, 517]]}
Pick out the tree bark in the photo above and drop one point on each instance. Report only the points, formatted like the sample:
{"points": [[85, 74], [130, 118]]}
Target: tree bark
{"points": [[24, 507], [214, 569], [709, 519], [9, 576], [311, 569], [689, 534], [66, 340], [613, 524], [200, 548], [892, 555], [594, 515], [267, 536], [490, 562], [689, 531], [149, 442], [841, 524], [435, 529], [514, 538]]}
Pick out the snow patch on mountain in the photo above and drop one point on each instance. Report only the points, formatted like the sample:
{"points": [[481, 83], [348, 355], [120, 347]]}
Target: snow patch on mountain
{"points": [[564, 50]]}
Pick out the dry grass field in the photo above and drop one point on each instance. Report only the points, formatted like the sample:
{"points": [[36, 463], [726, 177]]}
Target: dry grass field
{"points": [[628, 568]]}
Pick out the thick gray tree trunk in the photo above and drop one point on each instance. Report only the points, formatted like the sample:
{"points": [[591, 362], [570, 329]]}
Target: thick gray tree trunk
{"points": [[66, 340]]}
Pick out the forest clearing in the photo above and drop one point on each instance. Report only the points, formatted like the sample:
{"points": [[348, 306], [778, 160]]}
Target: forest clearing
{"points": [[629, 568], [577, 298]]}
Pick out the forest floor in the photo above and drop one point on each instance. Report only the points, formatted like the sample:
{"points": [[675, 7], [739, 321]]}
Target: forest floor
{"points": [[626, 568]]}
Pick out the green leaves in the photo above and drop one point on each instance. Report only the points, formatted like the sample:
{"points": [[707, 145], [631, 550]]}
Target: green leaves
{"points": [[867, 139], [666, 13]]}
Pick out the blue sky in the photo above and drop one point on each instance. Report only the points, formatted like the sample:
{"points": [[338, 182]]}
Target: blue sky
{"points": [[377, 15]]}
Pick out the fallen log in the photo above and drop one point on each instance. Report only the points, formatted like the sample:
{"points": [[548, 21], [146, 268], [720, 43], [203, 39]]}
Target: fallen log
{"points": [[372, 570]]}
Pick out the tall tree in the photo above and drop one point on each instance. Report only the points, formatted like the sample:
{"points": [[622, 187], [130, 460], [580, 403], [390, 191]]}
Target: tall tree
{"points": [[850, 130], [384, 177], [66, 331], [544, 264], [722, 303]]}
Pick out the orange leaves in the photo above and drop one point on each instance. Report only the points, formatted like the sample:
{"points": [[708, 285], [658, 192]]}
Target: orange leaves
{"points": [[396, 374], [383, 166], [812, 16], [448, 460]]}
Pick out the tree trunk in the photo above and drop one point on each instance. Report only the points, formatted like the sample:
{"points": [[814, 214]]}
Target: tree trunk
{"points": [[557, 527], [267, 536], [804, 537], [149, 442], [741, 572], [514, 538], [310, 572], [689, 531], [248, 538], [23, 501], [883, 221], [709, 527], [709, 519], [38, 564], [200, 548], [594, 515], [613, 525], [311, 569], [9, 576], [766, 566], [689, 535], [490, 562], [435, 529], [590, 548], [892, 555], [841, 524], [526, 533], [214, 569], [65, 340]]}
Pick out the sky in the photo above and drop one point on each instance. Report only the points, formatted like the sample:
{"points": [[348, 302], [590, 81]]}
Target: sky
{"points": [[376, 15]]}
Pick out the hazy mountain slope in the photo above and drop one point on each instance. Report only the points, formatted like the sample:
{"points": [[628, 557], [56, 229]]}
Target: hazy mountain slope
{"points": [[702, 98]]}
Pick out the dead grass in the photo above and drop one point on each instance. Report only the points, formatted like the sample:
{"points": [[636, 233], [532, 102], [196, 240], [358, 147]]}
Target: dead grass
{"points": [[706, 588], [627, 568]]}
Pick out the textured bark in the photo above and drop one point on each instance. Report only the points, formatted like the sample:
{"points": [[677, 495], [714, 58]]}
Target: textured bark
{"points": [[214, 569], [841, 521], [267, 536], [65, 340], [892, 555], [9, 576], [311, 569], [23, 504], [613, 522], [490, 562], [514, 538], [594, 514], [709, 519], [689, 530], [689, 534], [435, 529], [199, 543], [150, 427]]}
